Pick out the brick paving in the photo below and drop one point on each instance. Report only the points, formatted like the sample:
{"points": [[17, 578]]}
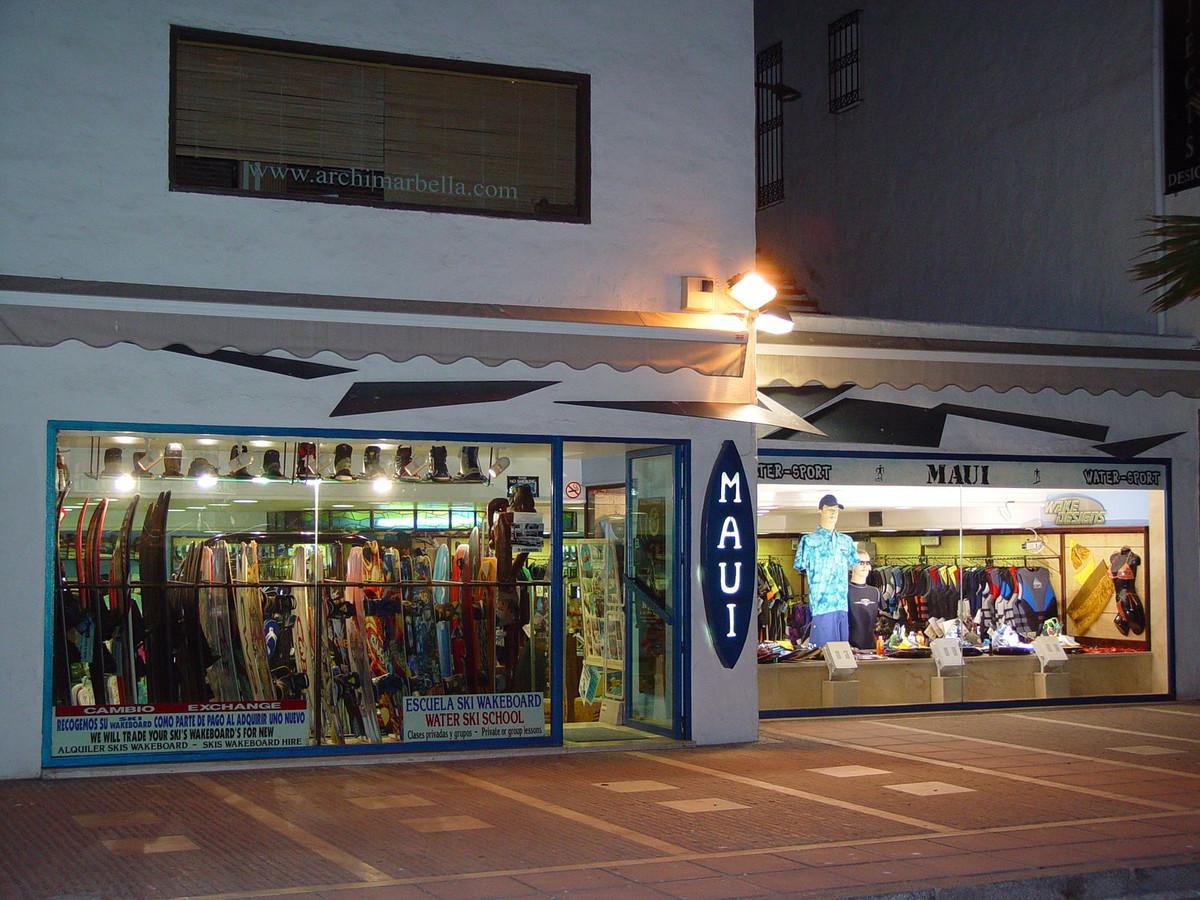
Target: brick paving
{"points": [[1039, 794]]}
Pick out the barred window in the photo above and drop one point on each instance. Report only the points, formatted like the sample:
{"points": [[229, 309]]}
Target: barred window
{"points": [[844, 91], [768, 112]]}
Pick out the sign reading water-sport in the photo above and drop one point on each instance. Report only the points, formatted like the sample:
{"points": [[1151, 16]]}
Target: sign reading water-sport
{"points": [[727, 568], [78, 731], [474, 717]]}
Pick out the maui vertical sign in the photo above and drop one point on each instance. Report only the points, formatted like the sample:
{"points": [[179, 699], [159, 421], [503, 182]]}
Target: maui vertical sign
{"points": [[727, 565], [1181, 94]]}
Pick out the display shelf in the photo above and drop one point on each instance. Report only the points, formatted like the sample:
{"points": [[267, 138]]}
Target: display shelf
{"points": [[887, 682]]}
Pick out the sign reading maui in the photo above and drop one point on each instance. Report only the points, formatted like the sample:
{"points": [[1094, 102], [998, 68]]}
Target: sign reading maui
{"points": [[727, 568]]}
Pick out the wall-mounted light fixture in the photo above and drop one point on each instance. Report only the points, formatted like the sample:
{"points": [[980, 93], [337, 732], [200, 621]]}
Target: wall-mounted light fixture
{"points": [[754, 292]]}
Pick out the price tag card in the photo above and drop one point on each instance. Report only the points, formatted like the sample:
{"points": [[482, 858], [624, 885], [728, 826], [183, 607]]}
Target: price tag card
{"points": [[947, 654], [839, 659], [527, 532], [1050, 653]]}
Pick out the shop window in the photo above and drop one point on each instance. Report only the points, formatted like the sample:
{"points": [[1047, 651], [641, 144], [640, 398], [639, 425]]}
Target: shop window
{"points": [[266, 118], [255, 593], [897, 557], [844, 91]]}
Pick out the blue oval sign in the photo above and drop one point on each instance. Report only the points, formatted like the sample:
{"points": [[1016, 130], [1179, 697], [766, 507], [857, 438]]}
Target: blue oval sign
{"points": [[727, 564]]}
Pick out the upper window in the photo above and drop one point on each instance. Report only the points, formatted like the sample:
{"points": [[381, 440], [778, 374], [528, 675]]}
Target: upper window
{"points": [[844, 91], [281, 119], [768, 112]]}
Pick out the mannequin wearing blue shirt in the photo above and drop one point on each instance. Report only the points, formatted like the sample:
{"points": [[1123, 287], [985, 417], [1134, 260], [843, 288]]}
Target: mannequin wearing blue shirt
{"points": [[827, 556]]}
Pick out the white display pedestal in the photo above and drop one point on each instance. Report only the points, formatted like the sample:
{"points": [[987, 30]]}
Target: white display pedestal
{"points": [[950, 689], [1047, 685], [839, 693], [612, 712]]}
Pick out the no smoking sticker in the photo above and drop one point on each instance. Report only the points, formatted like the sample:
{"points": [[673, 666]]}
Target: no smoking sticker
{"points": [[573, 489]]}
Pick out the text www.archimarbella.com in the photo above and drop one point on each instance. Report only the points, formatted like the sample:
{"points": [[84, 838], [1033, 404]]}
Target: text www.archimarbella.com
{"points": [[441, 185]]}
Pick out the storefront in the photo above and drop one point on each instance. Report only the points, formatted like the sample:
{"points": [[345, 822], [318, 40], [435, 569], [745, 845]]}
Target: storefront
{"points": [[305, 558], [961, 543]]}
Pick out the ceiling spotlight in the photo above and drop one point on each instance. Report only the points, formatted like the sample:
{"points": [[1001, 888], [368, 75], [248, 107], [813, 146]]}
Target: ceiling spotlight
{"points": [[206, 481], [125, 483], [381, 485], [501, 463]]}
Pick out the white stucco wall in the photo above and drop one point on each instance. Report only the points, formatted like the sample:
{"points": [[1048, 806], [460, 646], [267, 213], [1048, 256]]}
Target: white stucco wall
{"points": [[83, 156], [998, 170], [129, 385]]}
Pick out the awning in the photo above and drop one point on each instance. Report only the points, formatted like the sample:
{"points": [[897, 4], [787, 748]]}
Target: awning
{"points": [[868, 353], [43, 312]]}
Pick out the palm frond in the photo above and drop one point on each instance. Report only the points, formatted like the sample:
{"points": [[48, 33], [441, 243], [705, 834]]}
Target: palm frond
{"points": [[1171, 263]]}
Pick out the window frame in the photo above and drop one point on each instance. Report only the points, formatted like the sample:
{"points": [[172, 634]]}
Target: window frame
{"points": [[845, 85], [768, 127], [580, 81]]}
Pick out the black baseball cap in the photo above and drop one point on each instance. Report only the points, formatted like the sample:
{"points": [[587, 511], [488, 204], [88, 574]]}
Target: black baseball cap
{"points": [[829, 500]]}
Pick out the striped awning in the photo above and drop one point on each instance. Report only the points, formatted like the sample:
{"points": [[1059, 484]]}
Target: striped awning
{"points": [[43, 312]]}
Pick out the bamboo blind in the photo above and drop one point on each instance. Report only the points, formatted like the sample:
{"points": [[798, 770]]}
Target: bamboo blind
{"points": [[240, 103]]}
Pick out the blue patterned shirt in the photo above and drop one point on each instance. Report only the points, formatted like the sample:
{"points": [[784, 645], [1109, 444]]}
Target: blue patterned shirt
{"points": [[827, 557]]}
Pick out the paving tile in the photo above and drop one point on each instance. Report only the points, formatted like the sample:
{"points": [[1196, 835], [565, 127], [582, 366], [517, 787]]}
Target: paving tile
{"points": [[635, 787], [883, 871], [1147, 750], [997, 840], [383, 892], [1131, 828], [392, 801], [801, 879], [462, 889], [572, 880], [747, 863], [968, 864], [850, 771], [702, 805], [718, 888], [829, 856], [116, 820], [1148, 847], [444, 823], [626, 892], [666, 871], [929, 788], [1051, 857], [168, 843], [912, 849]]}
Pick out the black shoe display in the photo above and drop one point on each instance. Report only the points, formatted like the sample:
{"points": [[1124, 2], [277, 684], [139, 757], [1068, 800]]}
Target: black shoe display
{"points": [[342, 462], [405, 469], [372, 463], [173, 461], [201, 466], [306, 460], [112, 462], [437, 465], [271, 465], [240, 461], [468, 466]]}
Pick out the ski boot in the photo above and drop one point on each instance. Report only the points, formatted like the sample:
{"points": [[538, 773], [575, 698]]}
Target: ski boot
{"points": [[112, 463], [437, 465], [342, 463], [240, 461], [271, 466], [406, 470], [173, 461], [306, 461], [200, 467], [468, 466], [372, 463]]}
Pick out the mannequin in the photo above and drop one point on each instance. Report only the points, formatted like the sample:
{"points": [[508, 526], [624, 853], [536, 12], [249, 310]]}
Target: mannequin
{"points": [[1122, 568], [827, 555], [863, 604]]}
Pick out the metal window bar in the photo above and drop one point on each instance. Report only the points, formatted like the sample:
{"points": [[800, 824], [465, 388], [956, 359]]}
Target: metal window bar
{"points": [[844, 91], [768, 117]]}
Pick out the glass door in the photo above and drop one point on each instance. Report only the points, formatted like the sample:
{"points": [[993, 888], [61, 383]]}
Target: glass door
{"points": [[651, 576]]}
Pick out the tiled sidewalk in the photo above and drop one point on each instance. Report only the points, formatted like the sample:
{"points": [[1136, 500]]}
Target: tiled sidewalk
{"points": [[836, 807]]}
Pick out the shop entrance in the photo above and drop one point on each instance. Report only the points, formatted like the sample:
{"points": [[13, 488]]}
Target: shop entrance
{"points": [[621, 587]]}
